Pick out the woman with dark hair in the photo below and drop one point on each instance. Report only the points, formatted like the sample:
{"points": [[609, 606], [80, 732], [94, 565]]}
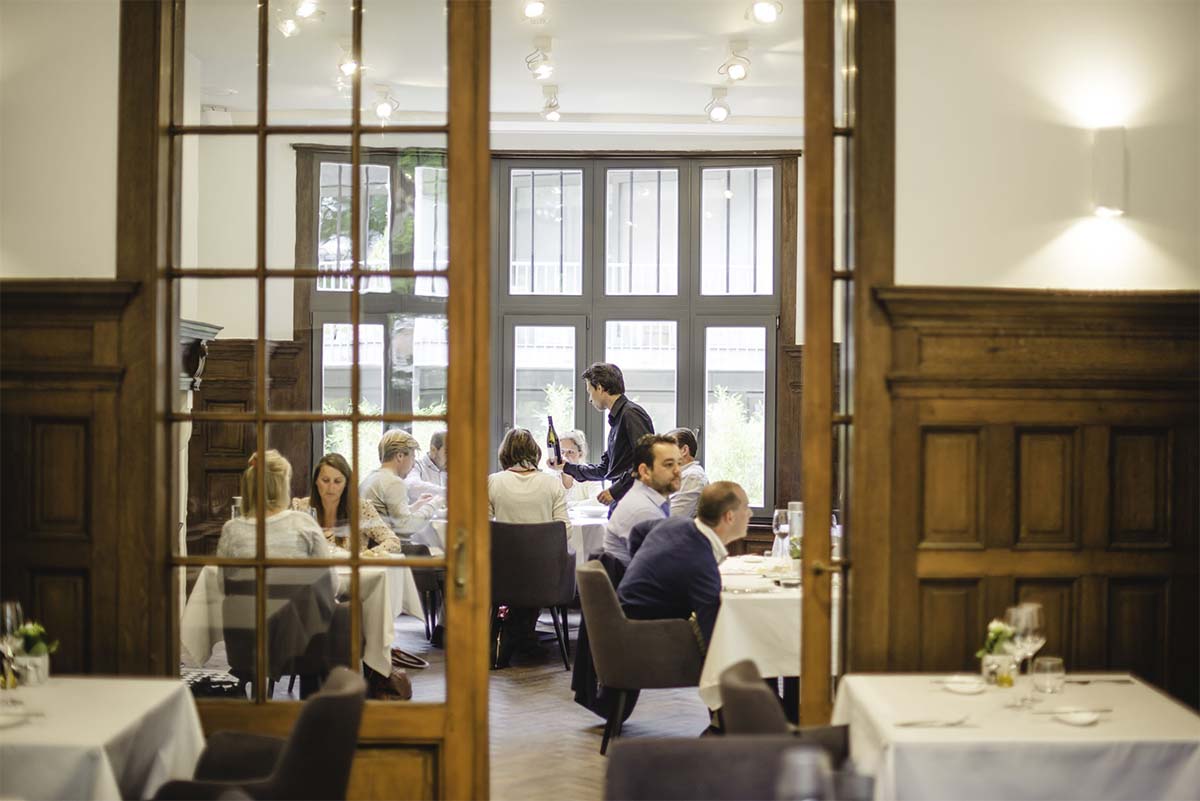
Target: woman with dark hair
{"points": [[329, 504], [520, 492]]}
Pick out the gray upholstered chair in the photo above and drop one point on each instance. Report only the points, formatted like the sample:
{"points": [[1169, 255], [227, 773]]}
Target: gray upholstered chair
{"points": [[747, 704], [748, 707], [312, 763], [633, 654], [532, 569], [731, 768]]}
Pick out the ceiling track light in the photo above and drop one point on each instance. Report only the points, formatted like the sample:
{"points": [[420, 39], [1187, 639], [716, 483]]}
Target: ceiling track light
{"points": [[737, 66], [538, 62], [550, 111], [385, 105], [288, 22], [307, 9], [347, 66], [717, 109], [533, 9], [764, 12]]}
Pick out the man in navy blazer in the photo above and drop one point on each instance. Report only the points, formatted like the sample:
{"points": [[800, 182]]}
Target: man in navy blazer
{"points": [[673, 572]]}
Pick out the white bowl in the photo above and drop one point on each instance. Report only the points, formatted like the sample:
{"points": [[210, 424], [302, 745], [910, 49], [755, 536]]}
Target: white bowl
{"points": [[1074, 716], [964, 684]]}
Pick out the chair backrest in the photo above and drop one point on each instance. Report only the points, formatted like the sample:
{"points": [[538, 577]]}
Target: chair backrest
{"points": [[634, 654], [747, 704], [315, 763], [531, 566], [300, 606], [700, 768]]}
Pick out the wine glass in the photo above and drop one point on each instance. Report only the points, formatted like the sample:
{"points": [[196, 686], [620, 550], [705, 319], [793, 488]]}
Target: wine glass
{"points": [[11, 619], [779, 524], [1026, 621]]}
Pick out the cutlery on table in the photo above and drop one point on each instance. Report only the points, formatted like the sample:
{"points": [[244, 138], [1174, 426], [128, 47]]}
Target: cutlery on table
{"points": [[1071, 711], [932, 724], [1099, 681]]}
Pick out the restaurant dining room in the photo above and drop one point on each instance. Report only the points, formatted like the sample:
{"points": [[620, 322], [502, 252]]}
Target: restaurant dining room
{"points": [[600, 399]]}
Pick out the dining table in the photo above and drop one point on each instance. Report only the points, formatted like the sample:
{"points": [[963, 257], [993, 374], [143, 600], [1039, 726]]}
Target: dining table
{"points": [[1104, 736], [758, 620], [97, 737], [386, 592]]}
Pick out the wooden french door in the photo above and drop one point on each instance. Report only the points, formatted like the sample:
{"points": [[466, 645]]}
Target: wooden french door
{"points": [[848, 212], [204, 178]]}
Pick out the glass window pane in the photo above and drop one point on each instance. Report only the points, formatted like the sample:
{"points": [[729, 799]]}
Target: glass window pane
{"points": [[735, 373], [543, 378], [431, 242], [546, 232], [334, 253], [645, 350], [642, 232], [737, 232], [337, 350]]}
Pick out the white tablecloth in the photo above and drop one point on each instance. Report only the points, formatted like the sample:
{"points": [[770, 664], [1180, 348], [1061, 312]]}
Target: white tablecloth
{"points": [[763, 626], [1148, 747], [99, 738], [387, 592]]}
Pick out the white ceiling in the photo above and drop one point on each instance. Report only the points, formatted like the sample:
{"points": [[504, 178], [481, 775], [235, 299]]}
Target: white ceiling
{"points": [[621, 66]]}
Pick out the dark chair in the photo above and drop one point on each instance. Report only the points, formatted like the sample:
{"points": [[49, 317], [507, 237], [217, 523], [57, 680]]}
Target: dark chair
{"points": [[748, 707], [633, 654], [431, 583], [308, 632], [312, 763], [531, 569], [732, 768]]}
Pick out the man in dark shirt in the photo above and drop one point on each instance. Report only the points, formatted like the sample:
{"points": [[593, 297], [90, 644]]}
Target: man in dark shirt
{"points": [[606, 391], [674, 571]]}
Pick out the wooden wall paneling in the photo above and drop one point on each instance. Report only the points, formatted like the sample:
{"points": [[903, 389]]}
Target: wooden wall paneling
{"points": [[903, 601], [951, 624], [952, 487], [1140, 496], [999, 505], [1091, 624], [1060, 604], [788, 413], [1137, 627], [1047, 487], [1095, 488]]}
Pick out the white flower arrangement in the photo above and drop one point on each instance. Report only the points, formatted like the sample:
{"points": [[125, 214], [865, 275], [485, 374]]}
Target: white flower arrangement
{"points": [[998, 633]]}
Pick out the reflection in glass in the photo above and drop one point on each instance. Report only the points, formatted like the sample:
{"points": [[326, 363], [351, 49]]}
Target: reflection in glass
{"points": [[217, 197], [220, 69], [544, 378], [735, 370], [203, 653], [737, 252], [641, 232], [546, 232], [310, 69], [431, 226], [334, 246], [645, 350]]}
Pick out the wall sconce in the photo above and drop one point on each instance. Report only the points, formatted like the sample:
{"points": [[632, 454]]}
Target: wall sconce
{"points": [[1108, 172]]}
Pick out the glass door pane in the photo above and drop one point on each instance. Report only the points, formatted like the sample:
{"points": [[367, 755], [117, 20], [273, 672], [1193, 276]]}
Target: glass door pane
{"points": [[336, 364], [546, 232], [647, 353], [544, 378], [735, 373], [642, 232]]}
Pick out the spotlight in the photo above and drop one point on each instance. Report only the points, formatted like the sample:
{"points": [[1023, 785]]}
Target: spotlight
{"points": [[306, 8], [288, 27], [534, 9], [385, 104], [737, 66], [717, 109], [538, 62], [550, 109], [347, 65], [765, 12]]}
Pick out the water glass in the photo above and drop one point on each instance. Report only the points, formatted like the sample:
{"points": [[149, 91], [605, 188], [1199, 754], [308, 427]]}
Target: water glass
{"points": [[11, 619], [1049, 675], [779, 523]]}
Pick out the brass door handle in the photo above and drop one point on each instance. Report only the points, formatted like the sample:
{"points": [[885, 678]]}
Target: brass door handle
{"points": [[820, 568], [460, 562]]}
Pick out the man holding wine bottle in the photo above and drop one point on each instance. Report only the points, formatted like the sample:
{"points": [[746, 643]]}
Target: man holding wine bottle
{"points": [[629, 422]]}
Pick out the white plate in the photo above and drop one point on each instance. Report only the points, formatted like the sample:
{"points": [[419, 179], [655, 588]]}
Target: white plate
{"points": [[750, 559], [965, 685], [746, 584], [1076, 717], [590, 510]]}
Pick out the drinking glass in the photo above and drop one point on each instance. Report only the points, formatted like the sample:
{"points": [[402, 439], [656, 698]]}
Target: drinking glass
{"points": [[779, 523], [1049, 675], [1026, 621], [11, 619]]}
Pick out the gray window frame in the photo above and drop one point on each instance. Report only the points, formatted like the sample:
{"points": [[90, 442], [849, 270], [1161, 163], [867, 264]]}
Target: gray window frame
{"points": [[593, 308]]}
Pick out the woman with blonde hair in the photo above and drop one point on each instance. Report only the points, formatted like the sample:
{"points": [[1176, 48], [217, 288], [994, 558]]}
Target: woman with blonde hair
{"points": [[290, 534], [329, 504]]}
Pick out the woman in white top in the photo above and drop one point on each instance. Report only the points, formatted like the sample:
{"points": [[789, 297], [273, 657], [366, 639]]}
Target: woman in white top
{"points": [[520, 493], [329, 504], [574, 451], [290, 534]]}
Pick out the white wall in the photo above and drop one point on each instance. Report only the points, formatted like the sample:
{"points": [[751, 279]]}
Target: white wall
{"points": [[58, 138], [995, 104]]}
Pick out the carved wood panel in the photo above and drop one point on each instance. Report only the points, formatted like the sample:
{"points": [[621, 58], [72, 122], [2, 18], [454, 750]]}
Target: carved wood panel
{"points": [[951, 621], [1137, 627], [1058, 600], [951, 482], [60, 502], [60, 603], [1140, 487], [1046, 488]]}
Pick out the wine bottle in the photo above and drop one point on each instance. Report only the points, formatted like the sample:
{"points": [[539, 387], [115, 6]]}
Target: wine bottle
{"points": [[552, 445]]}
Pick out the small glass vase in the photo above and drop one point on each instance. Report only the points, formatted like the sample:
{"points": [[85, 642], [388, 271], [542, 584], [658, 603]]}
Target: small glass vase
{"points": [[32, 670], [998, 669]]}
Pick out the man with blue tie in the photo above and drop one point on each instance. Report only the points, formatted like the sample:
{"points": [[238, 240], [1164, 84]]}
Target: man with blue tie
{"points": [[656, 472]]}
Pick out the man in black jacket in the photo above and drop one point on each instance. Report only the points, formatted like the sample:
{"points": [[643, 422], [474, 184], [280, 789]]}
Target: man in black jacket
{"points": [[606, 391]]}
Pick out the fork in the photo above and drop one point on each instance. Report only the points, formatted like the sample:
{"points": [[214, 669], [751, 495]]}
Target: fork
{"points": [[1099, 681], [932, 724]]}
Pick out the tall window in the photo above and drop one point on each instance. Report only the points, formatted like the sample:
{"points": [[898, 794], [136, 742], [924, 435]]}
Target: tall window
{"points": [[667, 268]]}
